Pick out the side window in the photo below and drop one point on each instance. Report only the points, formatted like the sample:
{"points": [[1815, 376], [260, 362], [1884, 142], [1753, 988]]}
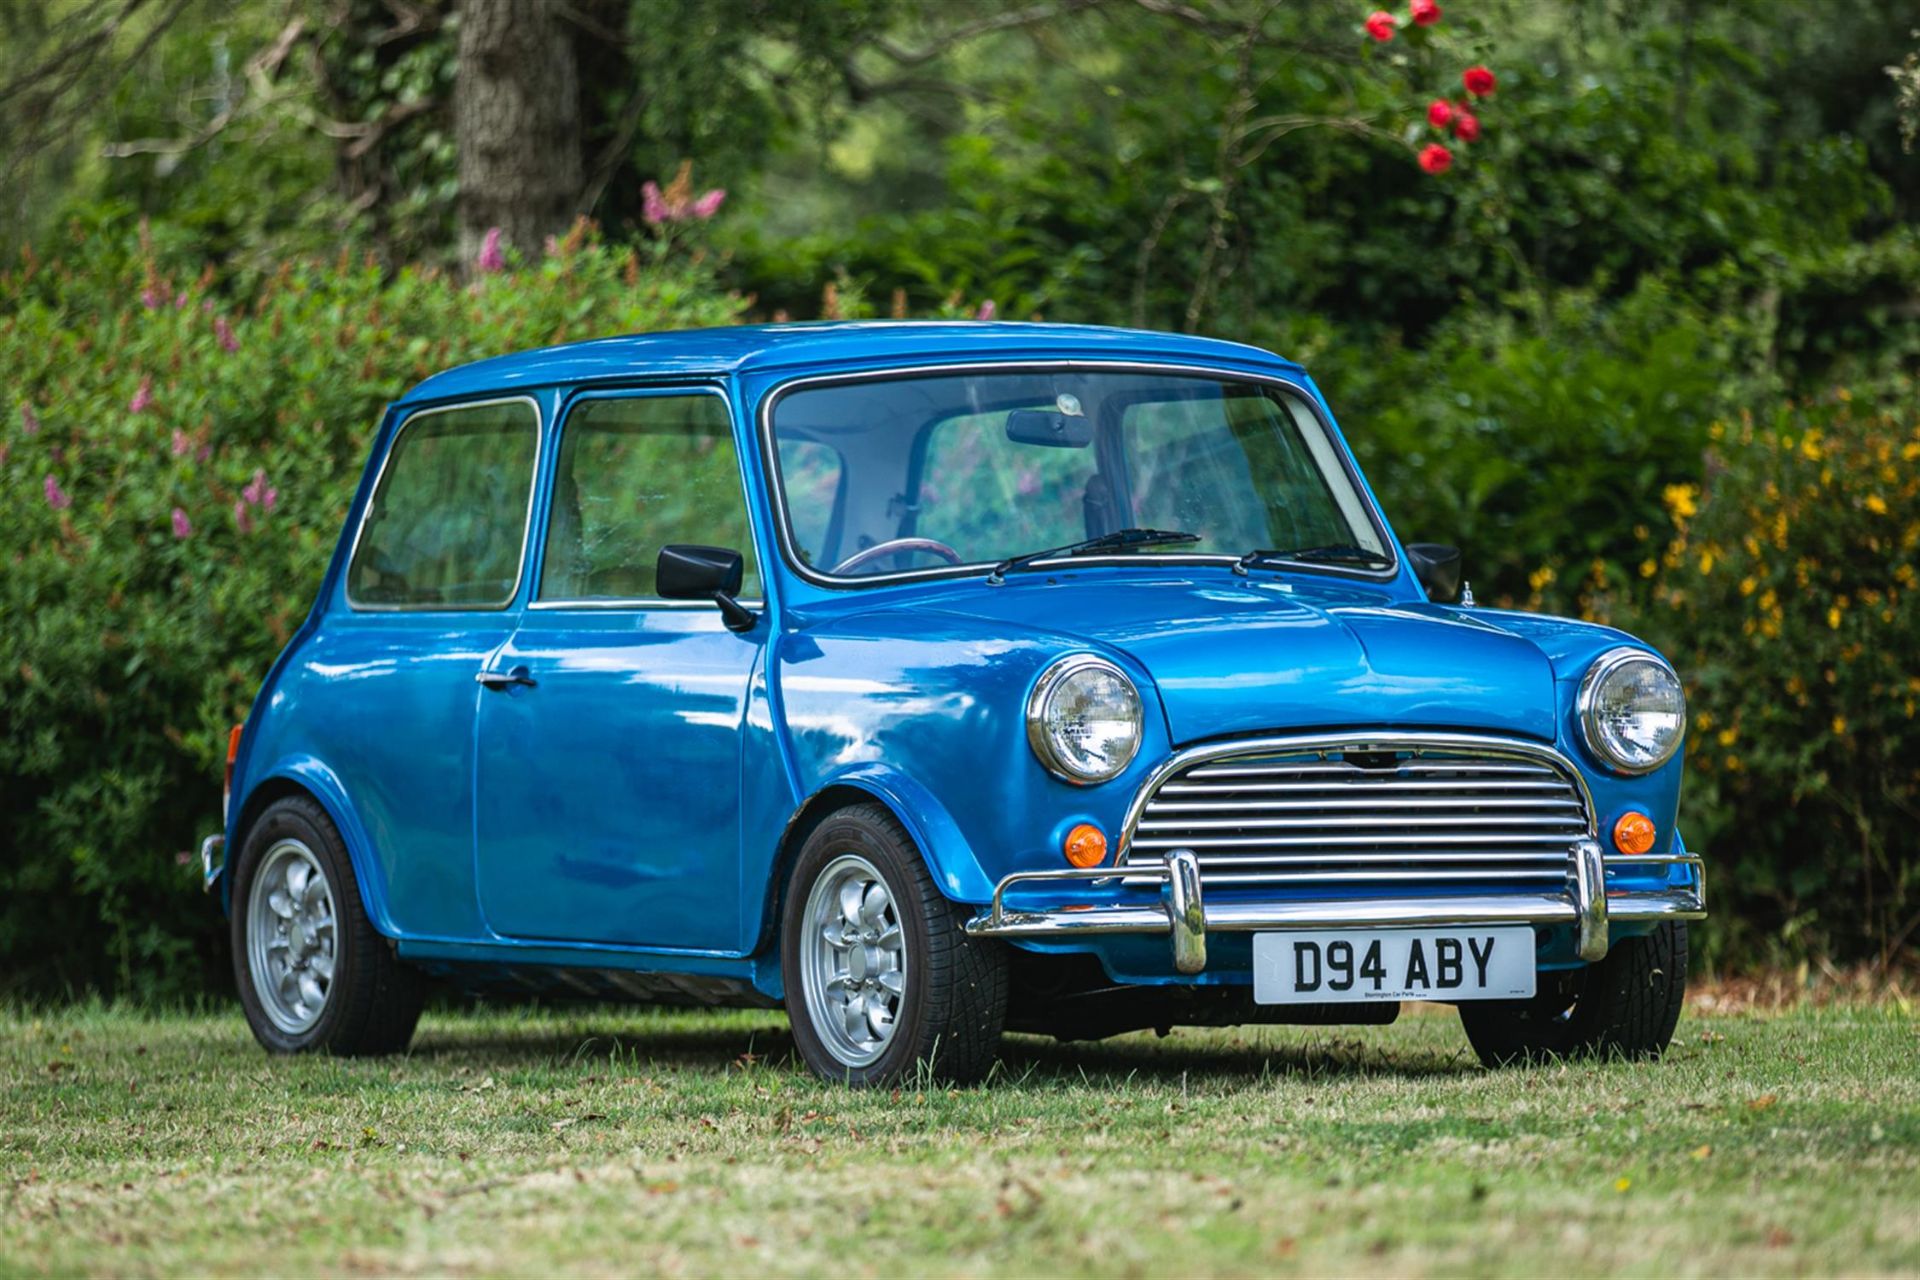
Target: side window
{"points": [[635, 474], [447, 525]]}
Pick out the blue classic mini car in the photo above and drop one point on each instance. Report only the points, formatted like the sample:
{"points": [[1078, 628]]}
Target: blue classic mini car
{"points": [[935, 680]]}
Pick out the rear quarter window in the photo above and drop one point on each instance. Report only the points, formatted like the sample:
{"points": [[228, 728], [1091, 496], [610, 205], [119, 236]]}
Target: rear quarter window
{"points": [[446, 528]]}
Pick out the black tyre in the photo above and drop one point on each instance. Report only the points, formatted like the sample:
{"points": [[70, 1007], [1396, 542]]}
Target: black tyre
{"points": [[1625, 1005], [881, 980], [313, 974]]}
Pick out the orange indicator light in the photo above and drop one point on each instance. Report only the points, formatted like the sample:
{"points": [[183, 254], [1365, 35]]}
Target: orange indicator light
{"points": [[1086, 846], [1633, 833]]}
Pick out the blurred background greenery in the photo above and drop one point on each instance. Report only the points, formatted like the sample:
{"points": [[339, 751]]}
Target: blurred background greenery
{"points": [[1644, 347]]}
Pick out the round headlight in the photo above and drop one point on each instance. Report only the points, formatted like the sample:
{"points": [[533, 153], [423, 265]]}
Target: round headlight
{"points": [[1083, 719], [1632, 710]]}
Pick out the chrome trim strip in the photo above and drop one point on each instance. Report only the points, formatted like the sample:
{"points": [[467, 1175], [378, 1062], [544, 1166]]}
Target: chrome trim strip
{"points": [[783, 528], [526, 523], [1583, 713], [1377, 740]]}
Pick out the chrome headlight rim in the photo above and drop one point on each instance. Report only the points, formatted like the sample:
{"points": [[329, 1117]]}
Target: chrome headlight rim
{"points": [[1588, 713], [1041, 741]]}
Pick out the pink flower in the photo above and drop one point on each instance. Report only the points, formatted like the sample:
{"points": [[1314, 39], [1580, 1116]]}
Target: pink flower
{"points": [[223, 332], [1028, 483], [1466, 126], [179, 299], [1439, 112], [29, 424], [653, 205], [150, 298], [987, 310], [182, 527], [242, 516], [1425, 13], [180, 443], [143, 398], [709, 204], [1380, 25], [259, 493], [491, 258], [56, 496]]}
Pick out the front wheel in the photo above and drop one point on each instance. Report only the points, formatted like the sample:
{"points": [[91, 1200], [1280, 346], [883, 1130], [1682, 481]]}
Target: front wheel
{"points": [[881, 980], [314, 975], [1626, 1004]]}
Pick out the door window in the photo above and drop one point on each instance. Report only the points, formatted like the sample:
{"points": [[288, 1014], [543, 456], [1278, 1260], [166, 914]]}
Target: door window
{"points": [[637, 473], [447, 525]]}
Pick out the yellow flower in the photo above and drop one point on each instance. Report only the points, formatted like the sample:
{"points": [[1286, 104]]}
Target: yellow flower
{"points": [[1839, 726], [1540, 577], [1747, 585], [1911, 452], [1703, 721], [1810, 446], [1706, 562], [1729, 736], [1680, 500], [1647, 568], [1876, 504], [1780, 530], [1833, 617]]}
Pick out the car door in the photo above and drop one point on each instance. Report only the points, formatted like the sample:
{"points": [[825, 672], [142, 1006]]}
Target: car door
{"points": [[608, 746]]}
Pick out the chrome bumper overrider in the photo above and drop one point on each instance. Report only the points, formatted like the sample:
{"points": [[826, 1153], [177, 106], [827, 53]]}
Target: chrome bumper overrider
{"points": [[209, 869], [1587, 904]]}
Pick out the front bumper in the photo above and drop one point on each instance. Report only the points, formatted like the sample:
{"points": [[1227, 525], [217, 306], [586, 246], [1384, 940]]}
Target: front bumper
{"points": [[1587, 904]]}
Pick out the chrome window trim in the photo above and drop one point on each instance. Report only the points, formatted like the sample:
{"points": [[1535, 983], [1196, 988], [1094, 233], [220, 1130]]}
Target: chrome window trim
{"points": [[739, 470], [526, 523], [1043, 688], [1381, 740], [783, 524], [1583, 709]]}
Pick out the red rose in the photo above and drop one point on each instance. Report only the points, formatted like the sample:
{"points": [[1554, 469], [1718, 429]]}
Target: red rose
{"points": [[1479, 81], [1466, 125], [1425, 13], [1439, 113], [1380, 25], [1435, 158]]}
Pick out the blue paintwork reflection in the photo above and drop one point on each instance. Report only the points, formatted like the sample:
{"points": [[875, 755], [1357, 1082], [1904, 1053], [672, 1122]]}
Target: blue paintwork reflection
{"points": [[629, 809]]}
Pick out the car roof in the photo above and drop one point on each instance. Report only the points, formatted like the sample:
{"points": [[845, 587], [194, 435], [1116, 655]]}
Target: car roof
{"points": [[752, 348]]}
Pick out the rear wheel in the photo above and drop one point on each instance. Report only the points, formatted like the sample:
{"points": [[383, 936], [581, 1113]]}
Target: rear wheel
{"points": [[1626, 1005], [313, 974], [881, 979]]}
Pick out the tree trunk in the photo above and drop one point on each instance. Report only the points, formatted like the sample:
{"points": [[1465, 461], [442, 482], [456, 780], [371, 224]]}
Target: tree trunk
{"points": [[516, 123]]}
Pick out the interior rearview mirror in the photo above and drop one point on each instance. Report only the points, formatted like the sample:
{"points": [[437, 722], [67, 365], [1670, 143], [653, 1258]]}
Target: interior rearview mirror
{"points": [[1438, 568], [685, 572], [1048, 429]]}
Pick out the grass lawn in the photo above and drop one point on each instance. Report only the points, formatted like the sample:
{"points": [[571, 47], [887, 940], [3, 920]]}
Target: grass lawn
{"points": [[612, 1141]]}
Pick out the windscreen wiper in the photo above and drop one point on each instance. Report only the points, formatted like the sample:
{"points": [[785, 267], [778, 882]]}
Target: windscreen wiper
{"points": [[1336, 553], [1118, 540]]}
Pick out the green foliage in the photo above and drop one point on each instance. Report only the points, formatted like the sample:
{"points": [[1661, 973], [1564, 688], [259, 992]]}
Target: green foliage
{"points": [[129, 650], [1790, 601]]}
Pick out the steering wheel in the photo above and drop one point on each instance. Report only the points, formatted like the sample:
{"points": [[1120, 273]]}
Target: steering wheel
{"points": [[895, 546]]}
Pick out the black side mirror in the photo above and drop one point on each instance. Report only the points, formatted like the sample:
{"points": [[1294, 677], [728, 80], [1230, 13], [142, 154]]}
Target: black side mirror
{"points": [[704, 573], [1438, 568]]}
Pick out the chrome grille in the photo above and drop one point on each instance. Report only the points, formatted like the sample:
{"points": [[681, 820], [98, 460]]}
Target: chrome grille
{"points": [[1321, 818]]}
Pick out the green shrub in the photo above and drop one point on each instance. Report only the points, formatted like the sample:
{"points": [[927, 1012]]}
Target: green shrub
{"points": [[1790, 602], [178, 453]]}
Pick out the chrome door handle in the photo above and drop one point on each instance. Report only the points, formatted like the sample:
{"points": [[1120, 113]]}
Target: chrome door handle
{"points": [[504, 679]]}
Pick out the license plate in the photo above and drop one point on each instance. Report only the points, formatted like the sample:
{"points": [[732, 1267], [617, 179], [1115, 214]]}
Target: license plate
{"points": [[1340, 966]]}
